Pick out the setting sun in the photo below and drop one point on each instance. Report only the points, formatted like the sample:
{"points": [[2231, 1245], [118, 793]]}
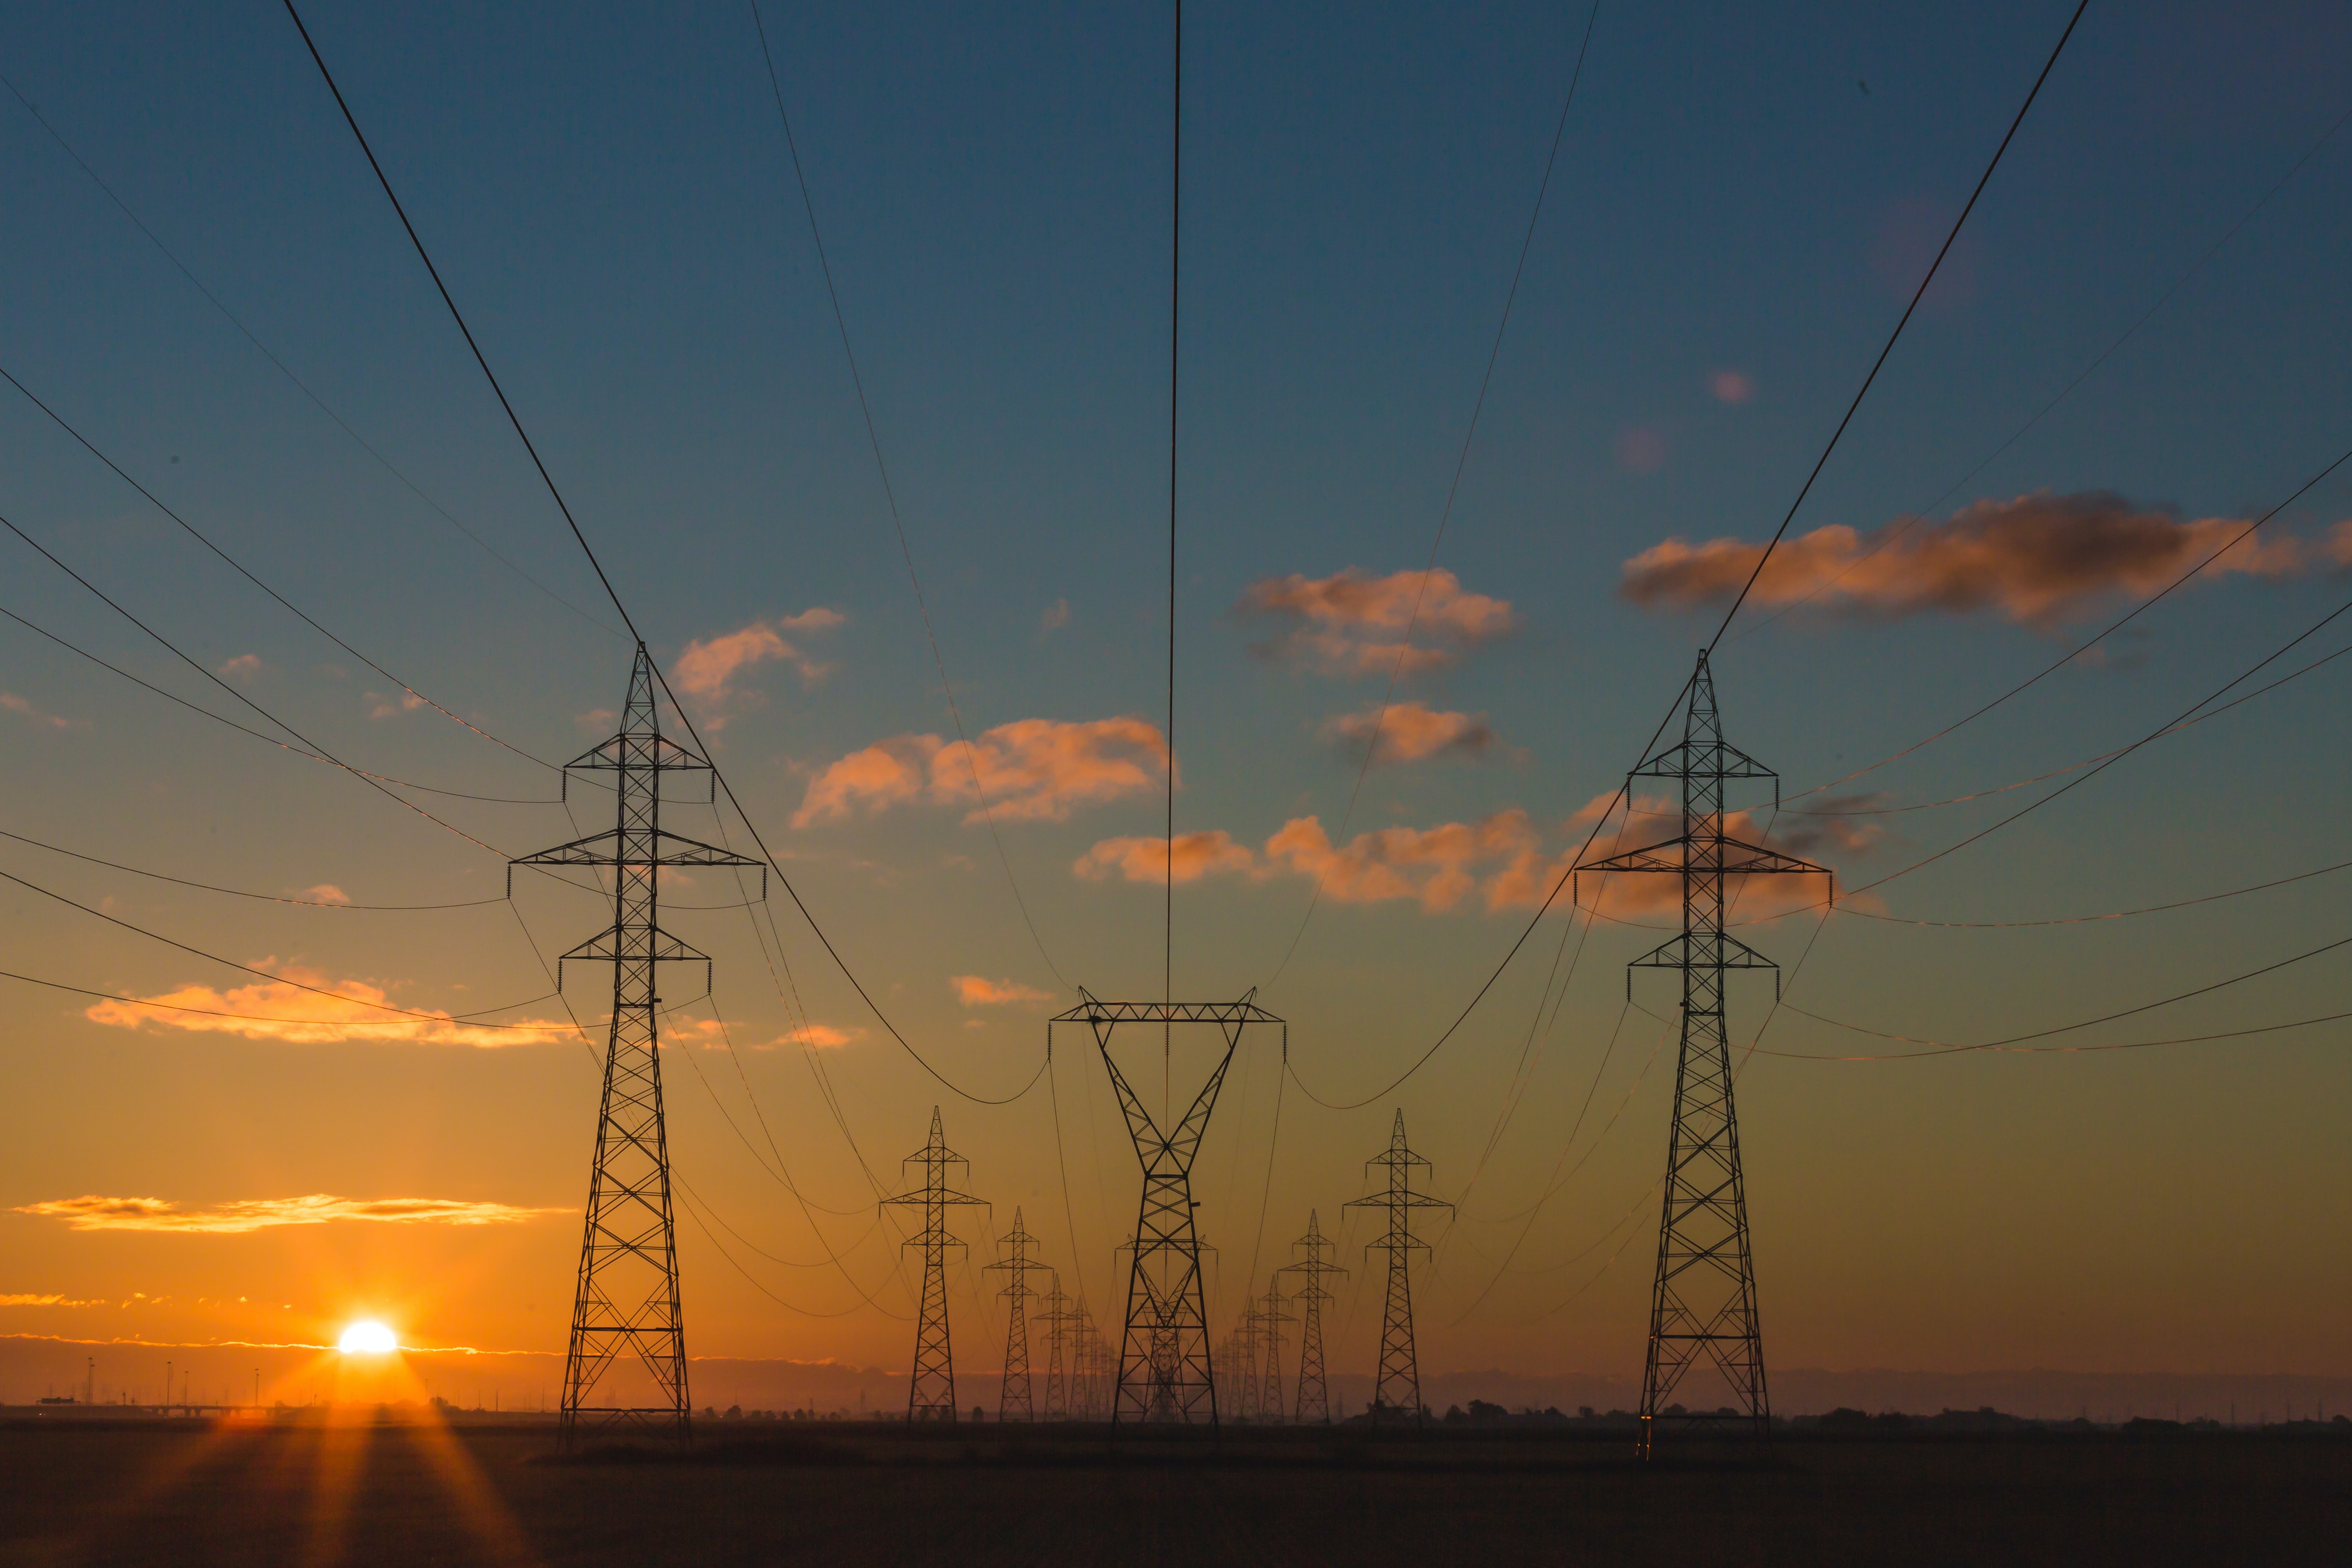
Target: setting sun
{"points": [[367, 1339]]}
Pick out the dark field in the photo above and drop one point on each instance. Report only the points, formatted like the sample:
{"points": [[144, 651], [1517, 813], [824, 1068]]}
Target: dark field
{"points": [[190, 1493]]}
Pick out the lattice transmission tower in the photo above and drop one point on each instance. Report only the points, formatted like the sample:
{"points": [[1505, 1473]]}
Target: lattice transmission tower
{"points": [[1270, 1319], [1397, 1395], [1164, 1371], [627, 1303], [932, 1395], [1058, 1319], [1244, 1360], [1314, 1402], [1014, 1401], [1703, 1302]]}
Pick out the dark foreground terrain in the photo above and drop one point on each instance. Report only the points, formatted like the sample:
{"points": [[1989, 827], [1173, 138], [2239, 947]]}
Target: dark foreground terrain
{"points": [[311, 1495]]}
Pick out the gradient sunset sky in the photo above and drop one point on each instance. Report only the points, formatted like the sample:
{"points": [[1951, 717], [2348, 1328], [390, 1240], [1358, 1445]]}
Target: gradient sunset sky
{"points": [[1743, 202]]}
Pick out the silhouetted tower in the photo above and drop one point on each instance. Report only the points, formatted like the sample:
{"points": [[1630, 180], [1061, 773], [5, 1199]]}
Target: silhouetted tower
{"points": [[627, 1303], [1058, 1319], [1247, 1334], [1314, 1402], [1397, 1395], [1702, 1304], [1013, 1399], [1270, 1319], [1164, 1372], [931, 1396]]}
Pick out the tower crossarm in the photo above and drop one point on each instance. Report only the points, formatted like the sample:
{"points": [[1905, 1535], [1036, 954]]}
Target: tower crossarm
{"points": [[1702, 754], [606, 848], [1672, 856]]}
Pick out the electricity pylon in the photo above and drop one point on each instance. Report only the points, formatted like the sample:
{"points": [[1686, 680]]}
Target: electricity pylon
{"points": [[1164, 1371], [930, 1396], [1314, 1402], [1013, 1399], [1245, 1361], [1269, 1327], [1057, 1317], [627, 1302], [1398, 1391], [1703, 1303]]}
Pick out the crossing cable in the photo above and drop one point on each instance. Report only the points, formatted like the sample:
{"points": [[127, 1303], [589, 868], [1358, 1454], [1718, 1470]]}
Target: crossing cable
{"points": [[889, 494], [1445, 514], [238, 566], [1624, 790], [300, 385], [2067, 390], [464, 1018], [1948, 1050], [239, 892], [1918, 295], [606, 580]]}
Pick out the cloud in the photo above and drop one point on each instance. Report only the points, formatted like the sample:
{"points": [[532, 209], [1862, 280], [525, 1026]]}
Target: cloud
{"points": [[1731, 386], [822, 1036], [1032, 768], [2037, 559], [273, 1010], [1056, 618], [24, 706], [977, 991], [326, 893], [243, 666], [25, 1300], [1411, 731], [596, 720], [92, 1212], [381, 706], [709, 666], [1353, 623], [1197, 855], [1641, 448], [1435, 865]]}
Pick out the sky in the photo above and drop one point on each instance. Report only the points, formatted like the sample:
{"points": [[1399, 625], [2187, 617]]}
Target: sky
{"points": [[2133, 351]]}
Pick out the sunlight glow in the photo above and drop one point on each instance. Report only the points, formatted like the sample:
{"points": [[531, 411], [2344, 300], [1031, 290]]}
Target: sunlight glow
{"points": [[367, 1339]]}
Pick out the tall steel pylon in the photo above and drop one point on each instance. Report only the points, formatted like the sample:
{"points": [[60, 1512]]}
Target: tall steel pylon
{"points": [[1703, 1303], [1058, 1318], [1246, 1336], [627, 1300], [1014, 1401], [1164, 1371], [930, 1395], [1270, 1319], [1314, 1401], [1397, 1393]]}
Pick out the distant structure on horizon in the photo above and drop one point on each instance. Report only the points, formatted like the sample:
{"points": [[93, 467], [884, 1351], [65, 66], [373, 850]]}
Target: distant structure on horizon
{"points": [[931, 1393], [1396, 1395]]}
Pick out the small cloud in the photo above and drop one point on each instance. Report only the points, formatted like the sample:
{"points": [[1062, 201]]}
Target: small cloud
{"points": [[326, 893], [383, 707], [1032, 768], [595, 721], [24, 1299], [1734, 386], [92, 1212], [709, 666], [1353, 623], [292, 1014], [815, 618], [23, 708], [243, 667], [1641, 448], [1410, 732], [1197, 855], [976, 991], [822, 1036], [975, 1023], [1056, 618]]}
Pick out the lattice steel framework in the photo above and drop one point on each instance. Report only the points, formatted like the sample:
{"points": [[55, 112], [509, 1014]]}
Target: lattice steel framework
{"points": [[1314, 1402], [1270, 1319], [1058, 1319], [627, 1300], [1702, 1304], [1397, 1393], [1164, 1371], [931, 1396], [1014, 1401], [1244, 1343]]}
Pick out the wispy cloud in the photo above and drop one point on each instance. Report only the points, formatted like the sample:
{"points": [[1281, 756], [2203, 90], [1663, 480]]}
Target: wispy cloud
{"points": [[93, 1212], [2037, 560], [381, 706], [243, 666], [1351, 623], [1056, 616], [978, 991], [1197, 855], [709, 666], [274, 1010], [326, 893], [22, 1298], [23, 708], [1032, 768], [1410, 732]]}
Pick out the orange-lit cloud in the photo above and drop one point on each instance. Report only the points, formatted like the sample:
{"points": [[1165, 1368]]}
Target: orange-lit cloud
{"points": [[93, 1212], [1354, 624], [977, 991], [1410, 732], [1435, 865], [1033, 769], [1197, 855], [243, 666], [23, 708], [273, 1010], [2037, 560], [709, 666], [326, 893], [1731, 386], [382, 706], [27, 1300]]}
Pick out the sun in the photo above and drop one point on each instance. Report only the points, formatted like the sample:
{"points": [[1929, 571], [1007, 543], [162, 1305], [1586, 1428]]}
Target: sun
{"points": [[367, 1339]]}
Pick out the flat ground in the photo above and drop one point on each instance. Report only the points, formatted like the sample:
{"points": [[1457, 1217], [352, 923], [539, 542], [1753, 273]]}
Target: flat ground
{"points": [[305, 1496]]}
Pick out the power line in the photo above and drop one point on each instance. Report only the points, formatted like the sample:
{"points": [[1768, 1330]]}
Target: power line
{"points": [[1445, 514], [1921, 293], [890, 494], [239, 892], [1942, 1050]]}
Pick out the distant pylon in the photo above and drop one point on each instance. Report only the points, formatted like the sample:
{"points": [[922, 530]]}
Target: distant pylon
{"points": [[1314, 1402], [627, 1302], [1164, 1361], [1271, 1318], [1058, 1319], [1244, 1363], [1397, 1393], [931, 1393], [1703, 1301], [1013, 1400]]}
